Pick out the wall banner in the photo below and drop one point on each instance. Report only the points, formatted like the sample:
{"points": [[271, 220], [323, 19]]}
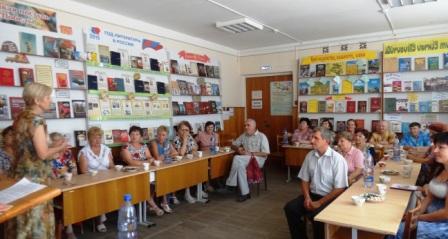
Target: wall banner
{"points": [[416, 47], [339, 56], [281, 97], [27, 16]]}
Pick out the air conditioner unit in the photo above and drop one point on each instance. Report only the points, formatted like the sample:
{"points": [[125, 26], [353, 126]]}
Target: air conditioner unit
{"points": [[239, 25]]}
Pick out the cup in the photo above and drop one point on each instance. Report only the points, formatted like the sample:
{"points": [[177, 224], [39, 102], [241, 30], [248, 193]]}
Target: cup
{"points": [[199, 153], [386, 156], [296, 144], [93, 172], [178, 158], [118, 167], [216, 148], [68, 176], [358, 200], [189, 156], [227, 149], [406, 170], [146, 166], [381, 189], [407, 161], [157, 163], [384, 179]]}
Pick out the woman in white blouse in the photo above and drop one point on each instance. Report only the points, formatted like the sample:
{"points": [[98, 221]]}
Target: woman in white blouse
{"points": [[96, 156]]}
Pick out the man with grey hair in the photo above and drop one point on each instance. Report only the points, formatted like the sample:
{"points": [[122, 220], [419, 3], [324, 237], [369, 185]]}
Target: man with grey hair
{"points": [[252, 142], [324, 177]]}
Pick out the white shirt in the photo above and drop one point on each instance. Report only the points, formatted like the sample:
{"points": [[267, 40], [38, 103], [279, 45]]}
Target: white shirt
{"points": [[258, 142], [96, 162], [325, 172]]}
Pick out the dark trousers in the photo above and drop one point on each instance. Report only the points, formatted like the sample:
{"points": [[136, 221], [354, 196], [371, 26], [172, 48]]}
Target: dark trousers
{"points": [[295, 214]]}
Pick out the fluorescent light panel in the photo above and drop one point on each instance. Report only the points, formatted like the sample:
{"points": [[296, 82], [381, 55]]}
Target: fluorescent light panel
{"points": [[239, 25], [402, 3]]}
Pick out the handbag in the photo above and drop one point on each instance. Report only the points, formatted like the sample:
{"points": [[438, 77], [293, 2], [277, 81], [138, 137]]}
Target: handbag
{"points": [[253, 171]]}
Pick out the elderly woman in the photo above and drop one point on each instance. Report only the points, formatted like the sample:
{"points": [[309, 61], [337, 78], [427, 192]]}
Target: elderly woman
{"points": [[208, 137], [95, 156], [353, 156], [32, 159], [432, 218], [303, 133], [162, 149], [7, 151]]}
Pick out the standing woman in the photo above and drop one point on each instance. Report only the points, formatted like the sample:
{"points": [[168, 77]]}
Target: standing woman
{"points": [[33, 160], [208, 137]]}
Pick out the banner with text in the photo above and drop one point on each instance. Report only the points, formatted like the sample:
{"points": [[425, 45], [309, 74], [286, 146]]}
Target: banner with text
{"points": [[27, 16], [339, 56], [416, 47]]}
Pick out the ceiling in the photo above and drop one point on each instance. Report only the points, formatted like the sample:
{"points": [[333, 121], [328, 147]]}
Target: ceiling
{"points": [[301, 20]]}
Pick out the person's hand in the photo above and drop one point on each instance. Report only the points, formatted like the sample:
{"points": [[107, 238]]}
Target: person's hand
{"points": [[315, 205], [241, 151], [307, 203]]}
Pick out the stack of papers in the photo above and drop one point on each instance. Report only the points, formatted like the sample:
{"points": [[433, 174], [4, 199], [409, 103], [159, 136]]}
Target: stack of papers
{"points": [[20, 189]]}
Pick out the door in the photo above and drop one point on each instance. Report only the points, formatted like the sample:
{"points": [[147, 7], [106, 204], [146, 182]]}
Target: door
{"points": [[258, 105]]}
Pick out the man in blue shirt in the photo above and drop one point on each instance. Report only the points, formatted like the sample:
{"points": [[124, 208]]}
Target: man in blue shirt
{"points": [[415, 137]]}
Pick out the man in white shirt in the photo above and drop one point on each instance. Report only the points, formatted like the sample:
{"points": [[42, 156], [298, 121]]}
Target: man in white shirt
{"points": [[251, 142], [324, 177]]}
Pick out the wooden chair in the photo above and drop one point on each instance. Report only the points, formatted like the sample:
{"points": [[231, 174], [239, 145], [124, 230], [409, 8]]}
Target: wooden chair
{"points": [[410, 225], [265, 178]]}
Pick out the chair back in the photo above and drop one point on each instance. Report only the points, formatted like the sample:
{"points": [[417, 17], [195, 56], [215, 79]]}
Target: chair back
{"points": [[410, 225]]}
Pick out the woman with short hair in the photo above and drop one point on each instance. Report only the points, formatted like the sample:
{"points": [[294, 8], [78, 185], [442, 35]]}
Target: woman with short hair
{"points": [[353, 156]]}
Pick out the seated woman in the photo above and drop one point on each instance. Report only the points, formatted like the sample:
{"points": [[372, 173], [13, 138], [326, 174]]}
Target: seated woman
{"points": [[362, 136], [208, 137], [7, 151], [326, 123], [353, 156], [162, 149], [303, 134], [95, 156], [351, 126], [432, 219]]}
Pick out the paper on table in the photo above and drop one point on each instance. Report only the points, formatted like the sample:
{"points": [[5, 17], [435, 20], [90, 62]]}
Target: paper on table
{"points": [[19, 190]]}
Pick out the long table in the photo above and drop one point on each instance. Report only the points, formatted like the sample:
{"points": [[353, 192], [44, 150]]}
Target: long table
{"points": [[372, 220], [294, 157], [24, 204]]}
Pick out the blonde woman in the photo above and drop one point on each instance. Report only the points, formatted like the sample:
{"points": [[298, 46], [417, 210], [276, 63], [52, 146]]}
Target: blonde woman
{"points": [[33, 160]]}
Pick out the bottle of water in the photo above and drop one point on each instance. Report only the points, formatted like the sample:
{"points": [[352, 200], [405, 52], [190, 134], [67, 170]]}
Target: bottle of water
{"points": [[212, 144], [127, 220], [285, 137], [368, 170], [396, 153]]}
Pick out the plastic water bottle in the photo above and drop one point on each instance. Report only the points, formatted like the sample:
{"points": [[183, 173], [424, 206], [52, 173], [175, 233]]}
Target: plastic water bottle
{"points": [[396, 153], [212, 144], [368, 170], [285, 137], [127, 220]]}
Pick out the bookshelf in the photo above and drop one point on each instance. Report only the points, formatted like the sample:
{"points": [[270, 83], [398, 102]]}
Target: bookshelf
{"points": [[341, 86]]}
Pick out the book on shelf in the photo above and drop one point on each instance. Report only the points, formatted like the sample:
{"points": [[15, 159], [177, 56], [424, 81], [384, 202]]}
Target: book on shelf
{"points": [[395, 126], [102, 81], [303, 107], [91, 53], [373, 85], [443, 105], [351, 68], [195, 90], [404, 64], [115, 84], [174, 88], [175, 106], [79, 108], [174, 67], [77, 80], [93, 109], [115, 58], [51, 46], [433, 63], [402, 105], [320, 70], [314, 123], [396, 86], [213, 107], [417, 85], [359, 123], [304, 71], [161, 88], [335, 85], [313, 106], [373, 66], [27, 43], [359, 86], [61, 80], [6, 76], [407, 85], [51, 113], [335, 69], [303, 88], [362, 66], [435, 106], [340, 126], [17, 105], [183, 87], [321, 106], [194, 69], [374, 125], [146, 61], [128, 83], [155, 65], [362, 106], [340, 106], [116, 109], [420, 64], [139, 86], [138, 107], [330, 119], [312, 70], [148, 107], [436, 83], [189, 108], [105, 106], [64, 109], [390, 64], [120, 136], [217, 72], [215, 90], [390, 105], [424, 106], [201, 70], [4, 108], [44, 75], [136, 62], [127, 108], [445, 61], [347, 86], [92, 82], [204, 107], [351, 106], [330, 106], [146, 87], [210, 71], [104, 54], [182, 109], [67, 49], [152, 84], [80, 138], [108, 136], [413, 107], [375, 104], [26, 75]]}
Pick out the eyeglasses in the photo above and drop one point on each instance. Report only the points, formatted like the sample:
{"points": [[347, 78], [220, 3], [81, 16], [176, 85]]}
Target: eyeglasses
{"points": [[185, 129]]}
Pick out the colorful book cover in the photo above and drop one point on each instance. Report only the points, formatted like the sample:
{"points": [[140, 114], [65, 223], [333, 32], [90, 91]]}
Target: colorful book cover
{"points": [[405, 127], [373, 86], [79, 108], [321, 107], [44, 75], [443, 105], [420, 64], [373, 66], [174, 88], [374, 125], [175, 106], [320, 70], [435, 106], [303, 88], [17, 105], [204, 107], [93, 110], [336, 85], [433, 63], [51, 46], [424, 106], [359, 86], [351, 68], [4, 108], [445, 60], [64, 109], [362, 106], [362, 66], [396, 86], [213, 107], [312, 70], [314, 123], [347, 86], [215, 90], [404, 64], [359, 123], [413, 107], [26, 76], [77, 79], [92, 82], [390, 105], [417, 85], [390, 64], [304, 71], [182, 109], [51, 113], [104, 54], [189, 108], [201, 70], [330, 106], [340, 106], [115, 84], [312, 106], [174, 67], [407, 85], [6, 76], [351, 106], [67, 49], [155, 64], [80, 138], [340, 126], [402, 105], [140, 86], [136, 62], [335, 69], [62, 80], [375, 104], [27, 43], [303, 107]]}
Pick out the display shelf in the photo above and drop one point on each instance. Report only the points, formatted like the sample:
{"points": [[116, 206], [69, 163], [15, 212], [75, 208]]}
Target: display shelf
{"points": [[124, 93], [341, 113], [196, 76], [415, 112], [212, 114], [35, 55], [318, 77], [342, 94], [415, 71], [120, 68]]}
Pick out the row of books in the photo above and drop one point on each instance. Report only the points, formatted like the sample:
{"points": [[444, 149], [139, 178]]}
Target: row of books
{"points": [[126, 83], [415, 64], [349, 85], [181, 87], [116, 108], [340, 106], [58, 110], [395, 84], [392, 105], [194, 69], [195, 108], [44, 74], [340, 125], [354, 67]]}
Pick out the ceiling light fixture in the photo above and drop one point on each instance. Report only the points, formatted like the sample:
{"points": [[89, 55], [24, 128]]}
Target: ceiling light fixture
{"points": [[403, 3], [240, 25]]}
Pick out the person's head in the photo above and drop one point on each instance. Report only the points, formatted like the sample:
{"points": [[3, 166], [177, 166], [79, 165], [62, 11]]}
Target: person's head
{"points": [[441, 147], [383, 126], [437, 127], [209, 127], [345, 140], [183, 128], [37, 96], [135, 133], [414, 128], [162, 133], [94, 136], [322, 138], [250, 126], [326, 123], [56, 139], [8, 136], [362, 136], [351, 125], [304, 123]]}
